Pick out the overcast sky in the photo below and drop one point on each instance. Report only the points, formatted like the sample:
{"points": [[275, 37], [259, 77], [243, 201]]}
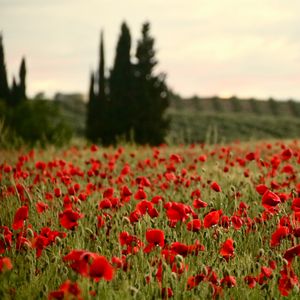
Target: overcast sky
{"points": [[206, 47]]}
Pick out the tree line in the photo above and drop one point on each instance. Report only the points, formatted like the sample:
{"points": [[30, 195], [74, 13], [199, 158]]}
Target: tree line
{"points": [[128, 104]]}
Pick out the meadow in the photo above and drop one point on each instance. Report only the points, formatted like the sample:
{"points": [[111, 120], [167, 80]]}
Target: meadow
{"points": [[185, 222]]}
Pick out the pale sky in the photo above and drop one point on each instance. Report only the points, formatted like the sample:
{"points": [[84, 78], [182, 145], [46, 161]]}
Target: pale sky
{"points": [[207, 47]]}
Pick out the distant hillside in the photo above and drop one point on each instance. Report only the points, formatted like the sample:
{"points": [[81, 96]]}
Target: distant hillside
{"points": [[209, 120], [236, 105]]}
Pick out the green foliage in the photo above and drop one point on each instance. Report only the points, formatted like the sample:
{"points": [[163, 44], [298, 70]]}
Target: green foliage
{"points": [[294, 108], [34, 122], [235, 104], [22, 76], [122, 87], [4, 89], [152, 94], [189, 127], [255, 106], [217, 105], [273, 105]]}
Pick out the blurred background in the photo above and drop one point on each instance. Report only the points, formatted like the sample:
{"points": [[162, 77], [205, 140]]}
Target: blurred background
{"points": [[148, 72]]}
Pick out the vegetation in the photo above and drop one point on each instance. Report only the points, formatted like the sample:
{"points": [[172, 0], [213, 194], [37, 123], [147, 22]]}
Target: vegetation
{"points": [[183, 222], [134, 105]]}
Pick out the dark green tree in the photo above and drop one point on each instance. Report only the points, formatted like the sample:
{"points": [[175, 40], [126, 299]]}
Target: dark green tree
{"points": [[22, 76], [151, 94], [4, 89], [91, 111], [121, 86]]}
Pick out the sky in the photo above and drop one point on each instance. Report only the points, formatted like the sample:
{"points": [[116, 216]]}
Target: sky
{"points": [[246, 48]]}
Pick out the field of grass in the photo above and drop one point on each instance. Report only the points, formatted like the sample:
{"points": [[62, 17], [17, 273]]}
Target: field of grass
{"points": [[190, 222]]}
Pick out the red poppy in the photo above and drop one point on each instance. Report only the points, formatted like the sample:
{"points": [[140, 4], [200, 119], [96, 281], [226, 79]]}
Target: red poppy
{"points": [[291, 253], [261, 189], [287, 281], [228, 281], [227, 249], [194, 225], [198, 203], [101, 268], [270, 200], [68, 218], [67, 290], [194, 281], [251, 281], [140, 195], [20, 216], [5, 264], [286, 154], [212, 218], [41, 207], [296, 204], [280, 233], [154, 237], [237, 222], [214, 186]]}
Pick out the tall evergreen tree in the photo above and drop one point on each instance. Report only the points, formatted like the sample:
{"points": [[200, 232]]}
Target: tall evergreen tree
{"points": [[121, 86], [91, 111], [4, 89], [152, 94], [22, 76]]}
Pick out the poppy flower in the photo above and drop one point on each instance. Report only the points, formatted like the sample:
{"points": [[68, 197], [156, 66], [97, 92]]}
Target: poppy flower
{"points": [[68, 218], [228, 281], [20, 216], [215, 186], [237, 222], [198, 203], [155, 237], [194, 281], [41, 207], [270, 200], [287, 281], [67, 290], [194, 225], [296, 205], [280, 233], [100, 268], [251, 281], [212, 218], [5, 264], [227, 249], [140, 195], [291, 253], [261, 188]]}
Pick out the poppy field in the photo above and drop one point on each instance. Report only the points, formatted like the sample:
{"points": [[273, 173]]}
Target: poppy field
{"points": [[184, 222]]}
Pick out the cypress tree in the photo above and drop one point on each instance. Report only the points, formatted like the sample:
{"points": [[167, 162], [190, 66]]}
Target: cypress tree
{"points": [[91, 111], [22, 76], [4, 89], [152, 94], [14, 93], [103, 109], [121, 86]]}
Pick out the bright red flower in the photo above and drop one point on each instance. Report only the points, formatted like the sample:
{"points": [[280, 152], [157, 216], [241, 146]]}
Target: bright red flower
{"points": [[251, 281], [41, 207], [179, 248], [227, 249], [291, 253], [101, 268], [287, 281], [296, 204], [270, 200], [214, 186], [140, 195], [228, 281], [212, 218], [194, 225], [154, 237], [20, 216], [5, 264], [261, 189], [198, 203], [286, 154], [68, 218], [237, 222], [280, 233], [68, 290]]}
